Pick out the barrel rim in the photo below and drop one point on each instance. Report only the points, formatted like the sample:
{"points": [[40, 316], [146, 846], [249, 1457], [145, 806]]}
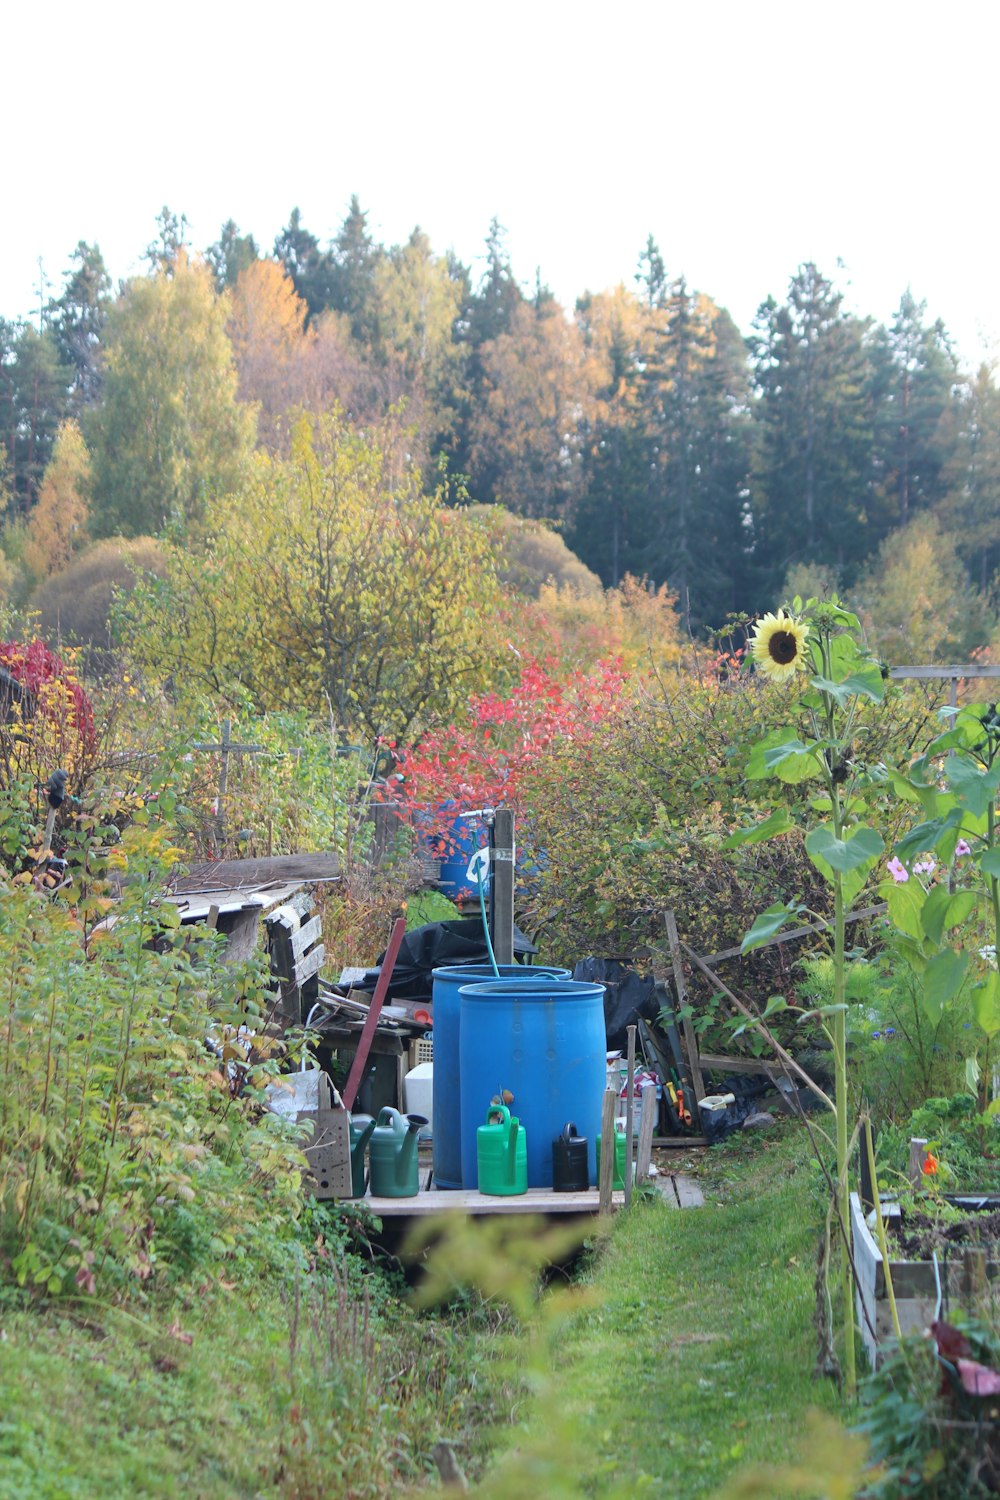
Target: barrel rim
{"points": [[546, 971], [569, 989]]}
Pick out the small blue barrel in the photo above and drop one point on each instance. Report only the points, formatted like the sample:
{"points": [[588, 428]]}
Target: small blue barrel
{"points": [[542, 1039], [446, 1084]]}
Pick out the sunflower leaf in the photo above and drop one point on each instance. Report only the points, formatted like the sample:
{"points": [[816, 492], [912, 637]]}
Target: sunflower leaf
{"points": [[777, 822], [865, 684], [975, 789], [990, 864], [986, 1004], [767, 924], [862, 846], [943, 978]]}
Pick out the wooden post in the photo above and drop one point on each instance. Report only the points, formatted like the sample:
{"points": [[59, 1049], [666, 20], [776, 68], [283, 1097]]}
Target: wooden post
{"points": [[502, 890], [645, 1150], [918, 1155], [975, 1283], [690, 1040], [606, 1177], [629, 1113]]}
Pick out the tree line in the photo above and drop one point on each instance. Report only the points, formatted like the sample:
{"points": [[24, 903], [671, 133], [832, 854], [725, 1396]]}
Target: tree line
{"points": [[662, 440]]}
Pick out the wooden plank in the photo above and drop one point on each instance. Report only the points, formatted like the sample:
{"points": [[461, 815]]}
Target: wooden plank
{"points": [[795, 933], [476, 1204], [930, 673], [645, 1136], [304, 937], [715, 1062], [502, 887], [690, 1040], [308, 966], [606, 1176], [679, 1142]]}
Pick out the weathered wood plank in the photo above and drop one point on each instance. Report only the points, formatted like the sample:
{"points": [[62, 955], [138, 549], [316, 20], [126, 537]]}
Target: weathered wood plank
{"points": [[645, 1147], [310, 965], [305, 936], [606, 1176]]}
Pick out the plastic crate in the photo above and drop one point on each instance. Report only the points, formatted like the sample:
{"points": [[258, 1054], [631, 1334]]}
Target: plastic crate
{"points": [[421, 1051]]}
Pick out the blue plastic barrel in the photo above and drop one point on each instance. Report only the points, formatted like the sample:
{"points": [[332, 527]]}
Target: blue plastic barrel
{"points": [[447, 1088], [544, 1041]]}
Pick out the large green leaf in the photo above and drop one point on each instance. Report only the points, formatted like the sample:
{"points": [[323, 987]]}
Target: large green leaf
{"points": [[990, 864], [986, 1004], [777, 822], [861, 847], [930, 835], [767, 924], [864, 684], [905, 903], [935, 906], [942, 981], [783, 755], [974, 786]]}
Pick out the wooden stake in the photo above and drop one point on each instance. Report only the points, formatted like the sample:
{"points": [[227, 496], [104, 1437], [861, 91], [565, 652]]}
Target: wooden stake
{"points": [[645, 1150], [629, 1113], [606, 1177], [690, 1040]]}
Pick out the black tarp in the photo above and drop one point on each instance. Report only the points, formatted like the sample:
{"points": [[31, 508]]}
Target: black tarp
{"points": [[628, 996], [432, 947]]}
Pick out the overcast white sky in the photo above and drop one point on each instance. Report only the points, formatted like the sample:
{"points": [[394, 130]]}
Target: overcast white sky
{"points": [[746, 137]]}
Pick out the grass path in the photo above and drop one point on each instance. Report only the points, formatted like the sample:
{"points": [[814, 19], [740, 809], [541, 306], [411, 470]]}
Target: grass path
{"points": [[698, 1357]]}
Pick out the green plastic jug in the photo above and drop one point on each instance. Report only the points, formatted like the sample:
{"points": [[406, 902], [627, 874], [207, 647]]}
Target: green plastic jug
{"points": [[502, 1154], [392, 1155], [361, 1129], [618, 1183]]}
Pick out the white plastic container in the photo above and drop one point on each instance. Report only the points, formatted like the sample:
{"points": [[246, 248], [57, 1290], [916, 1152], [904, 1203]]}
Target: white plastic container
{"points": [[418, 1096]]}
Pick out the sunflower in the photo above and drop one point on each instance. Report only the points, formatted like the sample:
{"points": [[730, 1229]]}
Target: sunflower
{"points": [[779, 646]]}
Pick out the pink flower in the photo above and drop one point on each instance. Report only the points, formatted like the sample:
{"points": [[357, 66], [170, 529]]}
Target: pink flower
{"points": [[898, 871], [961, 848], [925, 867]]}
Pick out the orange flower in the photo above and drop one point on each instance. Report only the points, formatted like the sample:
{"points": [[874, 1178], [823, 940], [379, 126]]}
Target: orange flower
{"points": [[930, 1164]]}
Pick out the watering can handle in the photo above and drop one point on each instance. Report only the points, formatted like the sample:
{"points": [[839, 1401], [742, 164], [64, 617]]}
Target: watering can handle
{"points": [[515, 1126], [569, 1131], [498, 1113]]}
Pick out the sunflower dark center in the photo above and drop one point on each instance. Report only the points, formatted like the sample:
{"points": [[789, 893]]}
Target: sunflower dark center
{"points": [[782, 647]]}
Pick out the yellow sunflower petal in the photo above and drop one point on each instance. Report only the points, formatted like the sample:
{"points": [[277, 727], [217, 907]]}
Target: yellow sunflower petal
{"points": [[779, 646]]}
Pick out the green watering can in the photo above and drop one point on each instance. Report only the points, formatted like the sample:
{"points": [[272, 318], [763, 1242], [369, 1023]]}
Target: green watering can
{"points": [[392, 1154], [618, 1178], [502, 1153], [361, 1128]]}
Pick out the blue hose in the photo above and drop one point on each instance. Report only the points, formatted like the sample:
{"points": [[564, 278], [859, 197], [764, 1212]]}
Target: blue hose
{"points": [[486, 925]]}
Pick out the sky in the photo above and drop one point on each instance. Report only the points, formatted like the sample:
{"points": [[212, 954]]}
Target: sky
{"points": [[746, 138]]}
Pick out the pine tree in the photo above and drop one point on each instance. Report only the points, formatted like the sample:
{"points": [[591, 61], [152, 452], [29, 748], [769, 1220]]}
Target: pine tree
{"points": [[914, 380], [78, 318], [232, 253], [814, 451]]}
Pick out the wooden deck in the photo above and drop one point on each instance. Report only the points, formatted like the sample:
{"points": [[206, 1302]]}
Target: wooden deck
{"points": [[447, 1200]]}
